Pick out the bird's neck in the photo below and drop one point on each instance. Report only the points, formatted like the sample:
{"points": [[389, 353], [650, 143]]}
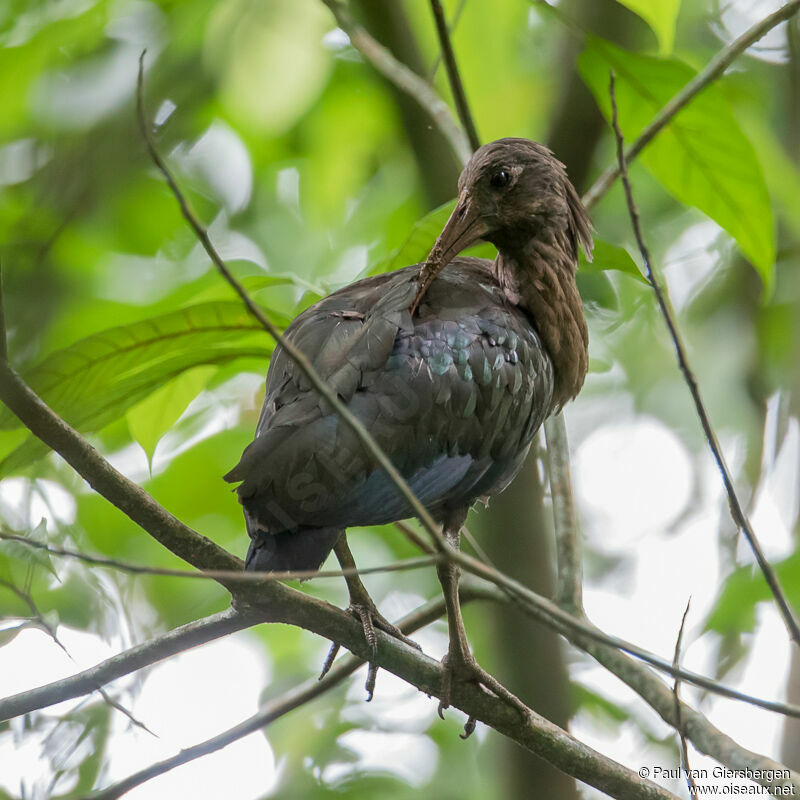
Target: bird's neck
{"points": [[539, 277]]}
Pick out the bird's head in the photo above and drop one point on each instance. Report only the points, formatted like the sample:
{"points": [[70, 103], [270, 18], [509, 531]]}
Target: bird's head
{"points": [[511, 192]]}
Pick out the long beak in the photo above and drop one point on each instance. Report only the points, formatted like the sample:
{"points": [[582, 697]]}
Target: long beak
{"points": [[463, 229]]}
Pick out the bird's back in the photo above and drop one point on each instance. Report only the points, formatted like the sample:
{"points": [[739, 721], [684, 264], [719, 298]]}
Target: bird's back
{"points": [[453, 396]]}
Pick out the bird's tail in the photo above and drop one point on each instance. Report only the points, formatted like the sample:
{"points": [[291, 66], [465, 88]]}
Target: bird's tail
{"points": [[302, 549]]}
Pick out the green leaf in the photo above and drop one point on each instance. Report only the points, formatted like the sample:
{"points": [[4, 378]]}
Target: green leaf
{"points": [[419, 242], [661, 16], [608, 256], [735, 608], [14, 554], [596, 289], [702, 157], [98, 379], [150, 419]]}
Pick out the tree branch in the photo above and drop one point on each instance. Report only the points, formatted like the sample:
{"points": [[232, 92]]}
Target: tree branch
{"points": [[569, 589], [579, 630], [713, 70], [540, 737], [402, 77], [737, 511], [288, 701], [701, 733], [129, 498], [135, 658], [454, 76]]}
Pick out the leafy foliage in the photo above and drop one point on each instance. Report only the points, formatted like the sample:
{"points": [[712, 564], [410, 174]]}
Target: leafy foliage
{"points": [[99, 378], [309, 172], [702, 157]]}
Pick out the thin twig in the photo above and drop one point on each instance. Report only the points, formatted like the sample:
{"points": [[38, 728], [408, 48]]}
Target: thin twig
{"points": [[569, 588], [223, 574], [299, 358], [110, 701], [454, 76], [712, 71], [405, 79], [619, 781], [676, 659], [450, 28], [736, 509]]}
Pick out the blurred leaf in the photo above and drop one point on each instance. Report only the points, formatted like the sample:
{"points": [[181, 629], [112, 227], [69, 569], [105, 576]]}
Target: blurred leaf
{"points": [[7, 635], [608, 256], [661, 16], [25, 555], [99, 378], [418, 245], [246, 39], [601, 708], [735, 608], [597, 290], [702, 157], [150, 419]]}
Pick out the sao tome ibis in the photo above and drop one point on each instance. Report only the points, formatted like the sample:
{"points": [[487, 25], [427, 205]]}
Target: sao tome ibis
{"points": [[452, 366]]}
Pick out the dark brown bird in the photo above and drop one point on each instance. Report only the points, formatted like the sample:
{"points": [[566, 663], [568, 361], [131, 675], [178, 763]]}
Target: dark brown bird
{"points": [[451, 370]]}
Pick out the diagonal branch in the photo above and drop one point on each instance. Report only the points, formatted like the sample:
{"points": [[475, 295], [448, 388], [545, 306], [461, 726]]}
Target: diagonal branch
{"points": [[129, 498], [286, 702], [135, 658], [402, 77], [713, 70], [540, 737], [737, 511], [454, 76]]}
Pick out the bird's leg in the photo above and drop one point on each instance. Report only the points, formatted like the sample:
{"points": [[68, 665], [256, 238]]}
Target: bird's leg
{"points": [[364, 610], [459, 663]]}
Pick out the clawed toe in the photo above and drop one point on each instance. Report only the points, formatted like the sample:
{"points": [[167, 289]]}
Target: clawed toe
{"points": [[370, 618], [468, 670]]}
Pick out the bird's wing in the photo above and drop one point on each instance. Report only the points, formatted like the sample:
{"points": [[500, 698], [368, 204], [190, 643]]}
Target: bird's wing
{"points": [[453, 398]]}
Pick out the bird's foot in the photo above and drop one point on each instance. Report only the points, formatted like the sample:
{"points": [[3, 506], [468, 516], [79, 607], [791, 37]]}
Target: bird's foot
{"points": [[370, 618], [464, 667]]}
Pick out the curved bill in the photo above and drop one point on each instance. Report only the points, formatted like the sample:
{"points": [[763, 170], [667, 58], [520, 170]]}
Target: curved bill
{"points": [[463, 229]]}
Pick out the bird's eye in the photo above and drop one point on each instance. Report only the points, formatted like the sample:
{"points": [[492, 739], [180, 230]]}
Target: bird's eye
{"points": [[500, 179]]}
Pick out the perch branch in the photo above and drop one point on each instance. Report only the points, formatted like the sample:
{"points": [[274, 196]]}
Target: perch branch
{"points": [[454, 76], [540, 737], [737, 511], [713, 70]]}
